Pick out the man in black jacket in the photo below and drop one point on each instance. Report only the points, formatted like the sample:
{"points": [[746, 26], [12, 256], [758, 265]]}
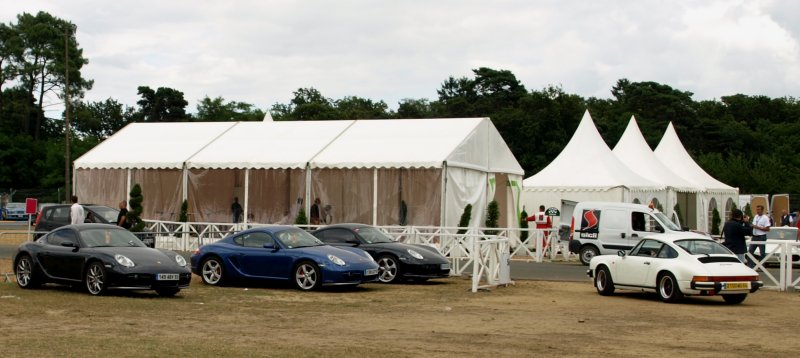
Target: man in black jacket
{"points": [[735, 231]]}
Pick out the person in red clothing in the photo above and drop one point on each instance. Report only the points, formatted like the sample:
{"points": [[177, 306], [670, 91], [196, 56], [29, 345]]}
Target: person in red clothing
{"points": [[543, 222]]}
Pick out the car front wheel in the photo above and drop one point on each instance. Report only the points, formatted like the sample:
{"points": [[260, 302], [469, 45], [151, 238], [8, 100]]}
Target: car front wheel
{"points": [[388, 269], [23, 270], [668, 288], [307, 276], [586, 254], [95, 279], [603, 282]]}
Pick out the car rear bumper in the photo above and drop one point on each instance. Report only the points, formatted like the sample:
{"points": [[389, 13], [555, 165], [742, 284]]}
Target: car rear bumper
{"points": [[717, 287]]}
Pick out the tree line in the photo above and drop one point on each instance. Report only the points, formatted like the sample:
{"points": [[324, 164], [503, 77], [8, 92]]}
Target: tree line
{"points": [[747, 141]]}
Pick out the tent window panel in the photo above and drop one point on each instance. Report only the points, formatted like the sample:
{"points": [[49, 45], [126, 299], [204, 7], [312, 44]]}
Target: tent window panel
{"points": [[101, 186], [211, 193], [161, 190], [389, 198], [422, 192], [345, 194], [276, 195]]}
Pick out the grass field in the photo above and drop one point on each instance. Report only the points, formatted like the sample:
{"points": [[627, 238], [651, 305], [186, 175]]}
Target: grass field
{"points": [[532, 318]]}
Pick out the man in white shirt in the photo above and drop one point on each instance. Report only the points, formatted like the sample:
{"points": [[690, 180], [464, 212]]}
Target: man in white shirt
{"points": [[76, 213], [760, 227]]}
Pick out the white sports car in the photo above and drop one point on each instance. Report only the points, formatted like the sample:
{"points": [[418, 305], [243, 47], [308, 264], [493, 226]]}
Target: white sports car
{"points": [[675, 266]]}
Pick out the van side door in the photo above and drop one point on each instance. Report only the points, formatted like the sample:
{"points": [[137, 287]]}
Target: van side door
{"points": [[614, 230]]}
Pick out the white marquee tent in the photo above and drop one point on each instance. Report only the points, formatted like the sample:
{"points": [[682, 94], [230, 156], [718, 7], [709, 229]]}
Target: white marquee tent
{"points": [[699, 206], [587, 169], [633, 151], [384, 172]]}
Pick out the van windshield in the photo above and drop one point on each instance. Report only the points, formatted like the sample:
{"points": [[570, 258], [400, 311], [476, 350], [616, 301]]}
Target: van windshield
{"points": [[669, 225]]}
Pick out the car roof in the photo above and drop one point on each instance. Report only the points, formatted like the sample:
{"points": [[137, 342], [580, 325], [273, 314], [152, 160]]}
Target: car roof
{"points": [[684, 235], [271, 228], [82, 227], [344, 225], [607, 204]]}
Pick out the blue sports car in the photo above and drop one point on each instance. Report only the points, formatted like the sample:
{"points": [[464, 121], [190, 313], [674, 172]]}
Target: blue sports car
{"points": [[282, 253]]}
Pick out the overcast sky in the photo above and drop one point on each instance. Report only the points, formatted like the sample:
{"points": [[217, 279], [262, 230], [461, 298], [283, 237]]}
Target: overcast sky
{"points": [[259, 52]]}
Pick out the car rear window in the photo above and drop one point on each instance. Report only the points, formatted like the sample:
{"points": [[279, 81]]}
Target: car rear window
{"points": [[702, 247]]}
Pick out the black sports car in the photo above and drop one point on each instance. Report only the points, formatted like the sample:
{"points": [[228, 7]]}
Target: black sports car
{"points": [[100, 257], [396, 260]]}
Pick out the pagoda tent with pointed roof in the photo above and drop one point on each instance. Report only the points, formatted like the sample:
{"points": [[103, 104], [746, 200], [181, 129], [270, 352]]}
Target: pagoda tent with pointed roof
{"points": [[633, 151], [587, 170], [697, 207]]}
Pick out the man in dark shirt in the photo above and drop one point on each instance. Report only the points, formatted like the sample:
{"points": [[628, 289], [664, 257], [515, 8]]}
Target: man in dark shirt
{"points": [[735, 231], [122, 218]]}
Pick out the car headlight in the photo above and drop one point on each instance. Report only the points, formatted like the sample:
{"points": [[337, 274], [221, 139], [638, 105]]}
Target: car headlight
{"points": [[336, 260], [123, 260], [180, 260], [414, 254]]}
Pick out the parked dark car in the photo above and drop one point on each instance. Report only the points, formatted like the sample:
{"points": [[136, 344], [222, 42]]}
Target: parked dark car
{"points": [[55, 216], [100, 257], [282, 253], [396, 260]]}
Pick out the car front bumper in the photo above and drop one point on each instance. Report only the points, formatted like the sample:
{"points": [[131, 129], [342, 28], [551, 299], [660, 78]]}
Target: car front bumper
{"points": [[146, 281]]}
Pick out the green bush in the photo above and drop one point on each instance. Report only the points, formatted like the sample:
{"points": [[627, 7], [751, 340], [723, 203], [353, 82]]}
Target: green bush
{"points": [[465, 218], [523, 224], [135, 213], [184, 215], [492, 216], [715, 221], [301, 218]]}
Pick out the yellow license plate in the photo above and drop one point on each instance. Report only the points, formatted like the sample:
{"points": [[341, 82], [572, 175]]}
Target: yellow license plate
{"points": [[736, 286]]}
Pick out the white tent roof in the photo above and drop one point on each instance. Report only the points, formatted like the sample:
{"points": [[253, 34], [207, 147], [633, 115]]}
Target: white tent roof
{"points": [[268, 145], [586, 163], [409, 143], [152, 145], [633, 151], [420, 143], [671, 152]]}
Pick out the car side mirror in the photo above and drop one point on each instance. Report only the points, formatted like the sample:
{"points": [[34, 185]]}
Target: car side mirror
{"points": [[271, 247], [621, 253]]}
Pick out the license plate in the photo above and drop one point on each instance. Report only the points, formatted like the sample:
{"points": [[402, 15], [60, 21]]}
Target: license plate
{"points": [[371, 272], [167, 277], [446, 266], [736, 285]]}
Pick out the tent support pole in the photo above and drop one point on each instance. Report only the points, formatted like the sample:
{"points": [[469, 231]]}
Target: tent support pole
{"points": [[246, 194], [306, 201], [375, 196], [184, 184], [127, 186], [443, 200]]}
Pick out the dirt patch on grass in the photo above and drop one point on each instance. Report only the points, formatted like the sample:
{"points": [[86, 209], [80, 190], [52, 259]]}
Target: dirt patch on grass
{"points": [[439, 318]]}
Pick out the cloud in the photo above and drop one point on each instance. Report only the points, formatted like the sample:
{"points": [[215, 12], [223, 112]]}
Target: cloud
{"points": [[260, 51]]}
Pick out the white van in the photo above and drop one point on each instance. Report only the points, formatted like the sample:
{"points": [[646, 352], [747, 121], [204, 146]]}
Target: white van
{"points": [[603, 228]]}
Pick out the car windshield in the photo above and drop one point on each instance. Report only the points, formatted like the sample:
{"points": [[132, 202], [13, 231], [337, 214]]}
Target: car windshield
{"points": [[702, 247], [294, 238], [667, 222], [15, 206], [108, 214], [372, 235], [109, 238]]}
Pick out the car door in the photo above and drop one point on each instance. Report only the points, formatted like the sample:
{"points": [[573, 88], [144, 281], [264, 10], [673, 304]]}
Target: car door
{"points": [[614, 230], [54, 217], [262, 262], [643, 224], [59, 261], [635, 267]]}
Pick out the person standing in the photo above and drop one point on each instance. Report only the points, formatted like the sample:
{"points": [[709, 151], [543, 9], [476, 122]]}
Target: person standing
{"points": [[543, 224], [76, 213], [236, 210], [786, 219], [122, 217], [761, 224], [314, 214], [734, 232]]}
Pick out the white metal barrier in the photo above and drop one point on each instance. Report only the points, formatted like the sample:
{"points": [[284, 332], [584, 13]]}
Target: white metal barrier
{"points": [[782, 252]]}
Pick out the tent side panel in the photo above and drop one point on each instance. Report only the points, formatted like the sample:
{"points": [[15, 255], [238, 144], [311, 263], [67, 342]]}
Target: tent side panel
{"points": [[418, 189], [211, 193], [161, 189], [101, 186], [345, 194], [465, 186], [276, 195]]}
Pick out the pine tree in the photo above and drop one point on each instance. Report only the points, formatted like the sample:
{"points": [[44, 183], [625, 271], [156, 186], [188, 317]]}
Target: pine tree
{"points": [[465, 218], [523, 224], [301, 218], [184, 216], [715, 221], [492, 216], [135, 214]]}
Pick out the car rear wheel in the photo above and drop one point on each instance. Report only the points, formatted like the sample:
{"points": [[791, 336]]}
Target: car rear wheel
{"points": [[734, 299], [168, 292], [212, 272], [586, 254], [95, 279], [23, 270], [603, 282], [388, 269], [668, 288], [307, 276]]}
